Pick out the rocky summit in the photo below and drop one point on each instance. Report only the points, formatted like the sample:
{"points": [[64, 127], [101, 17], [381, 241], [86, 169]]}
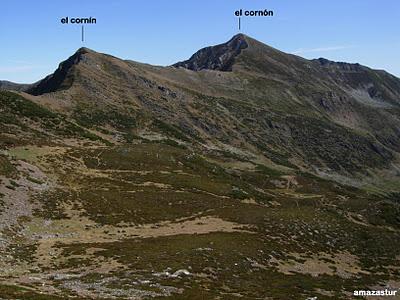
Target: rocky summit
{"points": [[220, 57], [242, 172]]}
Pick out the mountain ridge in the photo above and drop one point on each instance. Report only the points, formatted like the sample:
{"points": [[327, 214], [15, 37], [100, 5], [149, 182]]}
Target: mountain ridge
{"points": [[284, 87], [240, 40], [54, 81], [8, 85], [338, 91]]}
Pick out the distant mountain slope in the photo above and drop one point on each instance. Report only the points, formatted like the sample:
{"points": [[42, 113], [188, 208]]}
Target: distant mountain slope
{"points": [[8, 85]]}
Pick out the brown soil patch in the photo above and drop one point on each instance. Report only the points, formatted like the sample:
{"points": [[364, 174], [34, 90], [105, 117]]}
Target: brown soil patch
{"points": [[341, 264]]}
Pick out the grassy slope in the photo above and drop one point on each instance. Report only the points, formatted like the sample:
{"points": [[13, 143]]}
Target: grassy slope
{"points": [[25, 122]]}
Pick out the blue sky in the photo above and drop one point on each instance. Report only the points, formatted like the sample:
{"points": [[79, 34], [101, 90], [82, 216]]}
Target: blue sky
{"points": [[161, 32]]}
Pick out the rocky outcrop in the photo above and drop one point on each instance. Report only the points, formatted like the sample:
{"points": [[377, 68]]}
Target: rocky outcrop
{"points": [[220, 57]]}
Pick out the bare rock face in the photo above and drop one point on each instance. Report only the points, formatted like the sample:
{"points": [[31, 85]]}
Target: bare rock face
{"points": [[220, 57]]}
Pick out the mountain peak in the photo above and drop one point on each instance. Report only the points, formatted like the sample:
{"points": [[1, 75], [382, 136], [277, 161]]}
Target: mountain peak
{"points": [[61, 78], [84, 50], [220, 57], [239, 36]]}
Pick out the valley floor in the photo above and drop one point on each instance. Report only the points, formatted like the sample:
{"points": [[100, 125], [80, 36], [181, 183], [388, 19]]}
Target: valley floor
{"points": [[156, 221]]}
